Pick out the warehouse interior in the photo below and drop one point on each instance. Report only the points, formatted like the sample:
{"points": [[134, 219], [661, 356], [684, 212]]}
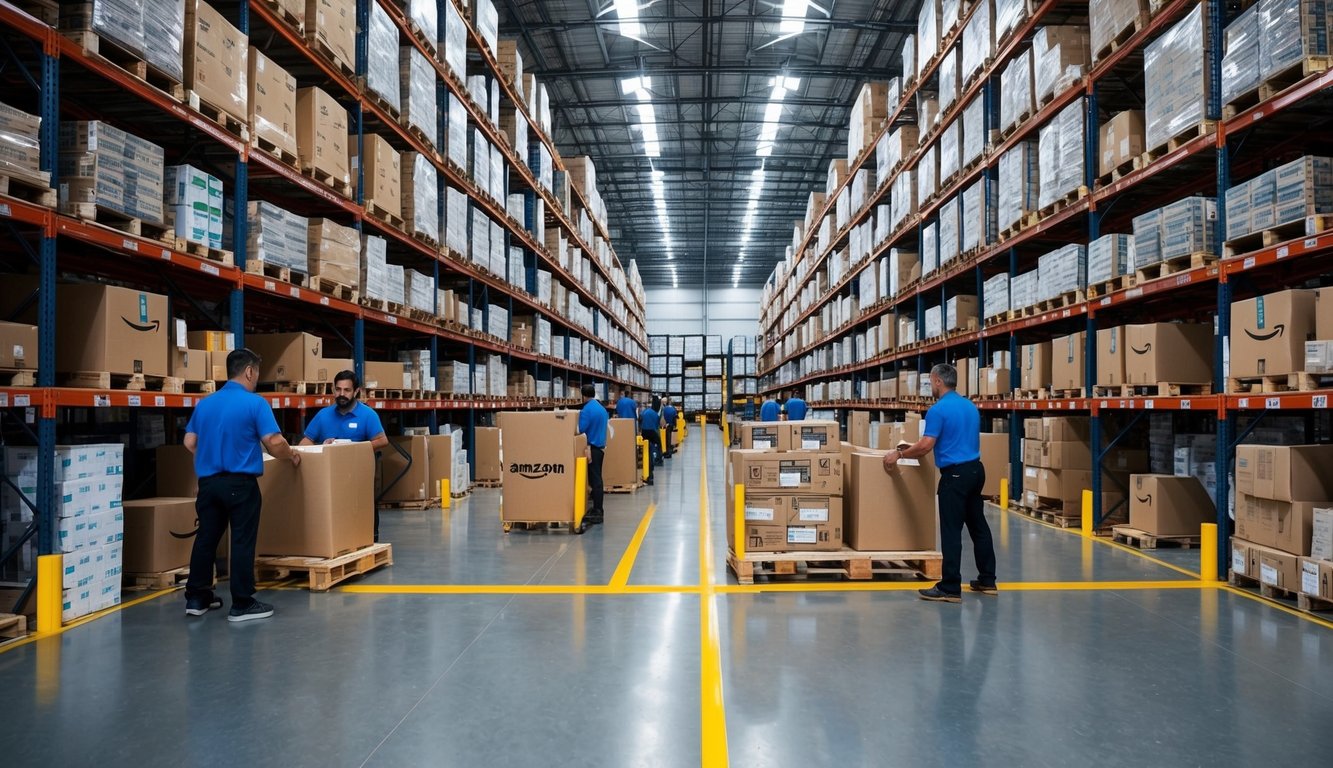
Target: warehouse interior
{"points": [[600, 334]]}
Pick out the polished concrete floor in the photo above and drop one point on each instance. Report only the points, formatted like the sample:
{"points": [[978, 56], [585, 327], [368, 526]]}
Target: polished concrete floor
{"points": [[480, 648]]}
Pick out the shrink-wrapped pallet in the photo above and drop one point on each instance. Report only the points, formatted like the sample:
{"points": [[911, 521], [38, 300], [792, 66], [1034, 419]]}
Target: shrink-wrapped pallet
{"points": [[1016, 99], [978, 41], [1061, 155], [978, 212], [421, 196], [974, 131], [1018, 178], [417, 80], [1176, 79], [949, 223], [382, 58], [1109, 257]]}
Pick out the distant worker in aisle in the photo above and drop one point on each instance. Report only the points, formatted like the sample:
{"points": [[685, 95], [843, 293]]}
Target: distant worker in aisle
{"points": [[649, 425], [626, 407], [669, 415], [593, 419], [227, 434], [347, 419], [770, 410], [796, 408], [953, 432]]}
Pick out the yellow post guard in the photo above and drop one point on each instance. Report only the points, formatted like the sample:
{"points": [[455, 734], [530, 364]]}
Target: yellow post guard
{"points": [[50, 583], [580, 490], [1004, 493], [1208, 551], [445, 496], [647, 459], [739, 521], [1087, 512]]}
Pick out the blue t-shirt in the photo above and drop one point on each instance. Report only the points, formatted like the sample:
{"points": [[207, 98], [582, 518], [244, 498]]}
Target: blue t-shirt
{"points": [[229, 425], [626, 408], [770, 411], [360, 425], [796, 409], [592, 423], [649, 420], [955, 423], [669, 416]]}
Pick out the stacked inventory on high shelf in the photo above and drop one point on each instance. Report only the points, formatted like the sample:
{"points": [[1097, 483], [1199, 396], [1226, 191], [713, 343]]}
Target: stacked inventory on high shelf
{"points": [[689, 369], [1049, 185], [742, 381], [382, 180]]}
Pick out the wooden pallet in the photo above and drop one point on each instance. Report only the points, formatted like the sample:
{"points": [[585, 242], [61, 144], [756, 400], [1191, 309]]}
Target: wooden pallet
{"points": [[136, 382], [196, 387], [379, 213], [1051, 516], [1058, 88], [1023, 118], [228, 122], [1298, 71], [1067, 394], [384, 305], [1123, 36], [411, 504], [487, 484], [1160, 389], [846, 563], [1028, 220], [326, 53], [623, 488], [1070, 198], [286, 16], [1202, 128], [1108, 287], [278, 153], [297, 387], [36, 190], [13, 626], [1119, 172], [94, 213], [324, 573], [1173, 266], [219, 255], [539, 525], [460, 495], [1030, 394], [333, 288], [1067, 299], [1309, 382], [329, 180], [96, 46], [394, 113], [156, 581], [19, 378], [275, 271], [47, 11], [1306, 227], [1143, 540], [1266, 591], [1313, 604]]}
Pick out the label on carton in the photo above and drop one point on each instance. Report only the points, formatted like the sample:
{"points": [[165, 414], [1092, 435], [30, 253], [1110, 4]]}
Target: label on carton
{"points": [[764, 514], [1238, 560], [1259, 312], [763, 444], [790, 479], [811, 445], [1268, 575], [1310, 579], [801, 536], [816, 515], [1030, 472]]}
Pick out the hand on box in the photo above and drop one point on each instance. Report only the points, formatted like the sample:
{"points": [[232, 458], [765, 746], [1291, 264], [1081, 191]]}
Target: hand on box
{"points": [[330, 441], [296, 458], [891, 460]]}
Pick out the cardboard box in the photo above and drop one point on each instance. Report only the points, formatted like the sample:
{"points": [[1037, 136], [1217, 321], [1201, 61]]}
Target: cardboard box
{"points": [[381, 375], [995, 382], [1035, 365], [620, 465], [287, 356], [175, 472], [18, 346], [383, 173], [1121, 140], [1062, 455], [1275, 567], [814, 435], [858, 428], [540, 453], [890, 511], [324, 508], [1057, 429], [1067, 368], [1242, 563], [1268, 333], [1179, 353], [1321, 538], [1057, 484], [487, 454], [272, 103], [159, 534], [1166, 505], [216, 60], [111, 329], [1110, 357], [995, 460], [211, 341], [792, 472], [321, 134], [1284, 525], [761, 538], [431, 461], [190, 364], [1317, 578], [1323, 314], [814, 523], [1285, 472], [332, 24], [765, 436]]}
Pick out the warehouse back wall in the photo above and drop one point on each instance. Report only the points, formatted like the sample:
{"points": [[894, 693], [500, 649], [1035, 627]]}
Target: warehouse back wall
{"points": [[724, 312]]}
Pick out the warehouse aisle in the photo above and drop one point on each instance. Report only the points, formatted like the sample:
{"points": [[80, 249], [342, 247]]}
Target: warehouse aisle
{"points": [[480, 648]]}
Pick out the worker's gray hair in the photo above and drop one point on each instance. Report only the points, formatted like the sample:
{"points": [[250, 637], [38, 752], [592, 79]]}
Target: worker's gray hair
{"points": [[947, 374]]}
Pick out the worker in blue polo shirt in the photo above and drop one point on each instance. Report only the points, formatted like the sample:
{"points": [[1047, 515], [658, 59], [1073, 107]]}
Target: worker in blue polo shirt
{"points": [[592, 424], [770, 410], [669, 415], [227, 434], [796, 408], [649, 425], [626, 407], [953, 432], [347, 419]]}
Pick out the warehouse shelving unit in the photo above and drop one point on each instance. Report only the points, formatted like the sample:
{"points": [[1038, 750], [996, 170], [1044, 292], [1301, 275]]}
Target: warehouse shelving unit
{"points": [[742, 379], [1235, 146], [68, 82]]}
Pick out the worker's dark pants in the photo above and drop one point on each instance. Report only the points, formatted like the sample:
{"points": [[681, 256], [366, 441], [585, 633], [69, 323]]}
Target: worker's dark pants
{"points": [[671, 440], [224, 500], [595, 456], [654, 439], [960, 504]]}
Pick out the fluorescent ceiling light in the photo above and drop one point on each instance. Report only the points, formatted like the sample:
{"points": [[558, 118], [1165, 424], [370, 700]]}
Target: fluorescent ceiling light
{"points": [[628, 12], [768, 132]]}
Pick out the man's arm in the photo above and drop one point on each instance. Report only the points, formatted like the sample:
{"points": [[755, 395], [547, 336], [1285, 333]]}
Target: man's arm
{"points": [[306, 441], [379, 441], [191, 442], [279, 448]]}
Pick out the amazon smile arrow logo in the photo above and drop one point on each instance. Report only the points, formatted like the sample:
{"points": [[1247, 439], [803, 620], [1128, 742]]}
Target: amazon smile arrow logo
{"points": [[1277, 331], [150, 327], [1146, 349], [1145, 499]]}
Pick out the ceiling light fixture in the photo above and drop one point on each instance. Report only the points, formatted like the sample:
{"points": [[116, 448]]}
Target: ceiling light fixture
{"points": [[628, 13], [768, 131], [793, 16]]}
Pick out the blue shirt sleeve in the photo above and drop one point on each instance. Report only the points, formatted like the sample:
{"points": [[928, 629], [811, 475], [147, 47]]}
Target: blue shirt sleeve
{"points": [[265, 423], [189, 426], [934, 422], [373, 426], [585, 420]]}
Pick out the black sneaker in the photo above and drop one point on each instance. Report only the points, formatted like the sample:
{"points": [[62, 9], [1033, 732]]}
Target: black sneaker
{"points": [[936, 595], [255, 610], [592, 519], [977, 586], [198, 606]]}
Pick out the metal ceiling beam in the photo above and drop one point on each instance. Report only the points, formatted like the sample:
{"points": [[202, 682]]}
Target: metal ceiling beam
{"points": [[810, 23], [695, 70]]}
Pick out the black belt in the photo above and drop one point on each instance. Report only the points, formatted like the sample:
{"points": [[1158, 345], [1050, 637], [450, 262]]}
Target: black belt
{"points": [[224, 475], [961, 464]]}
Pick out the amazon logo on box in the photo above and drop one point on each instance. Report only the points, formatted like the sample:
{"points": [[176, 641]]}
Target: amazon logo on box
{"points": [[1268, 333]]}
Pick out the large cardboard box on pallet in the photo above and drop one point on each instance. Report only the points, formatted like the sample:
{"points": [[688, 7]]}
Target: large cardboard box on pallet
{"points": [[995, 460], [321, 134], [792, 472], [620, 463], [107, 328], [331, 24], [814, 435], [541, 449], [1121, 140], [1273, 567], [1317, 578], [418, 478], [1035, 365], [159, 534], [287, 357], [1178, 353], [858, 428], [322, 509], [272, 103], [1166, 505], [1268, 333], [18, 346], [1067, 368], [1285, 472], [382, 174], [216, 60], [1284, 525], [765, 436], [487, 454], [890, 511], [780, 522], [1110, 357], [333, 253]]}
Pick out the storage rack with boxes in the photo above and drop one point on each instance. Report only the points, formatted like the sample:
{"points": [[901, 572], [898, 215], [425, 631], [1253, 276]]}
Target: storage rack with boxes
{"points": [[690, 370], [742, 378], [1091, 177], [385, 180]]}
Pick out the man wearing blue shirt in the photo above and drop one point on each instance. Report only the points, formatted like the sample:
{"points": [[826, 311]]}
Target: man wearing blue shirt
{"points": [[796, 408], [669, 415], [953, 432], [770, 410], [592, 424], [649, 424], [626, 407], [347, 419], [227, 434]]}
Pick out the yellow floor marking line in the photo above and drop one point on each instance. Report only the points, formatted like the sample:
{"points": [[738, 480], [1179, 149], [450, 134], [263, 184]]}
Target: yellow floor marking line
{"points": [[516, 589], [1107, 542], [621, 577], [86, 619], [912, 586], [1285, 609], [713, 710]]}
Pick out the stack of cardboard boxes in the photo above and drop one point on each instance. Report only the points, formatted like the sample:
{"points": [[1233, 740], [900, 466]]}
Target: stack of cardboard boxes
{"points": [[1057, 466], [1278, 487], [1279, 334], [1317, 569], [793, 473], [429, 459], [1168, 505], [623, 459], [488, 453]]}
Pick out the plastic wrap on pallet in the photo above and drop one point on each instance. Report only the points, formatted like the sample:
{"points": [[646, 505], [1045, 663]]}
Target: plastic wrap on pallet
{"points": [[153, 29], [105, 166], [276, 236], [934, 322], [196, 205], [20, 148], [1189, 226], [1062, 271], [1263, 201], [1016, 99], [1109, 257], [418, 290], [978, 40], [418, 88], [1303, 188], [498, 173], [454, 42], [1293, 30], [1061, 155], [949, 223], [951, 150], [479, 238], [1018, 176], [421, 211], [927, 110], [1240, 60], [883, 157], [973, 131], [455, 220], [995, 296], [1148, 239], [1060, 56], [457, 144], [480, 165], [1176, 79], [978, 212], [1108, 18], [948, 79], [486, 20], [909, 60], [1023, 290], [928, 174], [1009, 15], [1237, 206], [930, 248], [903, 196], [374, 267], [382, 57], [927, 34], [424, 15]]}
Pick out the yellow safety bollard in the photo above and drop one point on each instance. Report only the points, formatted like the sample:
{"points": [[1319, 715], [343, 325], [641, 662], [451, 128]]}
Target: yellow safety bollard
{"points": [[1208, 551], [1004, 493], [445, 496], [726, 434], [647, 458], [661, 433], [1087, 513], [50, 583], [740, 521], [580, 490]]}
